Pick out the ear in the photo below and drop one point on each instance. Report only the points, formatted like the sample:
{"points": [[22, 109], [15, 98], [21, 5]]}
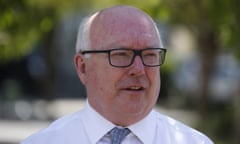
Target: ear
{"points": [[79, 62]]}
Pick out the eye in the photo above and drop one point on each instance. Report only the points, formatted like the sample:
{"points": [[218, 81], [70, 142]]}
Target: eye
{"points": [[121, 53], [150, 54]]}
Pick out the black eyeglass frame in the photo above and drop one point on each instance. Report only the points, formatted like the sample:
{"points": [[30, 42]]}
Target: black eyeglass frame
{"points": [[136, 53]]}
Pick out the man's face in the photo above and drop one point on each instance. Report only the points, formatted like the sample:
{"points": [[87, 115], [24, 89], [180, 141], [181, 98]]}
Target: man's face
{"points": [[122, 95]]}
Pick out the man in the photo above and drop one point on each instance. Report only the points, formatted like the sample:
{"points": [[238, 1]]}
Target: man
{"points": [[119, 53]]}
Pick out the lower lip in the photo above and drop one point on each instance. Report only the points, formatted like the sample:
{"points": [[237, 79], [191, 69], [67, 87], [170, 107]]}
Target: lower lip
{"points": [[133, 91]]}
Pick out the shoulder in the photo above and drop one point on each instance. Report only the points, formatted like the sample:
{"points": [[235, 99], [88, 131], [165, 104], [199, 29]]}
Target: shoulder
{"points": [[179, 132], [58, 131]]}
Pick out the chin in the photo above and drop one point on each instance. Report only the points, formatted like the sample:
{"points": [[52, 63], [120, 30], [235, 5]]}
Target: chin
{"points": [[137, 110]]}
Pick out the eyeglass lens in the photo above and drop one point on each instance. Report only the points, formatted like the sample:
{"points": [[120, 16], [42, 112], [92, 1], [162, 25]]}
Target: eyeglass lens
{"points": [[124, 57]]}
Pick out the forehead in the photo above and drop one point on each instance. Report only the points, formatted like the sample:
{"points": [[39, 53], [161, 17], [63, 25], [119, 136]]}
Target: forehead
{"points": [[124, 28]]}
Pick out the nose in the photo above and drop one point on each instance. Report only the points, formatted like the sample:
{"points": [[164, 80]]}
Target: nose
{"points": [[137, 67]]}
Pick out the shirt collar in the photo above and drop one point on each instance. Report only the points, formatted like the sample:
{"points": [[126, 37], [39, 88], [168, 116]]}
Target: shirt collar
{"points": [[96, 126], [145, 129]]}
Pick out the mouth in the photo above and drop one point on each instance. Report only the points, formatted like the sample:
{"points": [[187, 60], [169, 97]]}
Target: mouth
{"points": [[134, 88]]}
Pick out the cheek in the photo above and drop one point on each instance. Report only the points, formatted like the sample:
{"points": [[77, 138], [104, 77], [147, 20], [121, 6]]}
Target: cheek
{"points": [[102, 80], [155, 80]]}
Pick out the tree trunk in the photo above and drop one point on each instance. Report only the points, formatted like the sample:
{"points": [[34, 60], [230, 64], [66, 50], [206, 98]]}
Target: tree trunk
{"points": [[208, 49]]}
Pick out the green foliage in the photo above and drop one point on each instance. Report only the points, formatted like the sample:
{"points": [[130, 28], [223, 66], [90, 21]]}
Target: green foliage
{"points": [[21, 26], [24, 22], [221, 16]]}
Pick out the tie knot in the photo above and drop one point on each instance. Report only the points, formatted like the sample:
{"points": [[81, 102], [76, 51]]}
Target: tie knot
{"points": [[118, 134]]}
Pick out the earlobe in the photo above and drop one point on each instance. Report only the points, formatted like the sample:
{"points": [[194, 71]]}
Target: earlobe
{"points": [[80, 67]]}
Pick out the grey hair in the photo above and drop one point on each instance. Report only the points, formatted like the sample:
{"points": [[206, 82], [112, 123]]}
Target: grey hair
{"points": [[158, 34], [83, 38]]}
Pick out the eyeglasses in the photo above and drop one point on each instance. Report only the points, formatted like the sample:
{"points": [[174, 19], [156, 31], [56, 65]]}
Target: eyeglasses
{"points": [[124, 57]]}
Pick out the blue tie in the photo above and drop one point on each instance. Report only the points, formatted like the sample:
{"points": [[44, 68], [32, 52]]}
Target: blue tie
{"points": [[117, 134]]}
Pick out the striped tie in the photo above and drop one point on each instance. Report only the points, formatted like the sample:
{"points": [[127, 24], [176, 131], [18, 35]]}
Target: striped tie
{"points": [[117, 135]]}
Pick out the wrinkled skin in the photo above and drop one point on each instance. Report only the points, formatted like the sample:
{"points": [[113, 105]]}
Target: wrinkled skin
{"points": [[122, 95]]}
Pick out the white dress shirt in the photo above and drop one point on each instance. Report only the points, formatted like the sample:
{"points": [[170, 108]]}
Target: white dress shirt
{"points": [[89, 127]]}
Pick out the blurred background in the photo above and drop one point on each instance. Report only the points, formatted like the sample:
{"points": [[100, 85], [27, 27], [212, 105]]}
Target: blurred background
{"points": [[200, 78]]}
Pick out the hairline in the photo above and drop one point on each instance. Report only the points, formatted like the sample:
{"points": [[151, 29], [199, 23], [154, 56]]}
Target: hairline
{"points": [[83, 37]]}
